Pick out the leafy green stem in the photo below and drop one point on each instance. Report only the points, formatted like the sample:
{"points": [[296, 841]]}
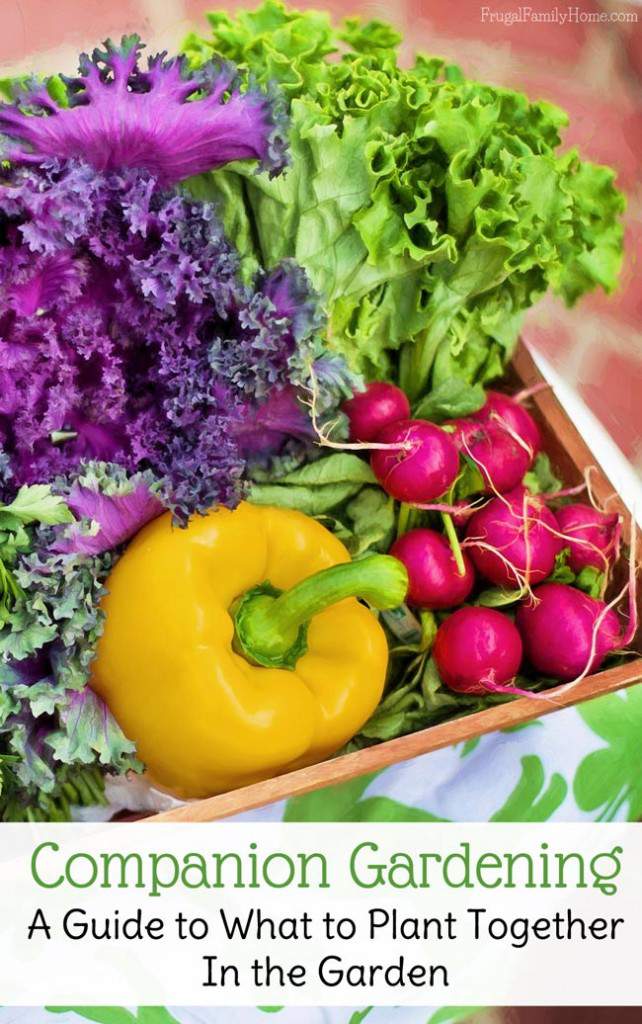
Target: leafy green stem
{"points": [[403, 520], [453, 540]]}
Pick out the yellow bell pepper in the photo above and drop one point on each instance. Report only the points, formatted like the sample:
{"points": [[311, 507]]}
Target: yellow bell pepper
{"points": [[220, 681]]}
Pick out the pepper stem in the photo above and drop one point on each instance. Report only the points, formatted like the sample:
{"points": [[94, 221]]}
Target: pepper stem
{"points": [[270, 627]]}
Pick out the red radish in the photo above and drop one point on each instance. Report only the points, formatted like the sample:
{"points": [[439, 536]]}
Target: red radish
{"points": [[513, 540], [424, 466], [592, 536], [478, 650], [432, 571], [501, 458], [371, 410], [503, 410], [566, 633]]}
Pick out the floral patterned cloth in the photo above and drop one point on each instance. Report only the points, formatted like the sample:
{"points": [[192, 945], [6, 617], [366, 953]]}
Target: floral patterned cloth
{"points": [[580, 764]]}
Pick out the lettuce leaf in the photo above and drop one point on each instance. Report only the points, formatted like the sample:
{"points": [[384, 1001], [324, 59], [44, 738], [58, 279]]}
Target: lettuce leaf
{"points": [[430, 211]]}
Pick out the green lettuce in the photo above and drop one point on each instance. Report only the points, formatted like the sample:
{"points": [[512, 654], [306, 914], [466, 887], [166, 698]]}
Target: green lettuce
{"points": [[430, 211]]}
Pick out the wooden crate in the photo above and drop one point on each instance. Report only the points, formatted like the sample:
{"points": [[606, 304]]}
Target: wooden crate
{"points": [[570, 456]]}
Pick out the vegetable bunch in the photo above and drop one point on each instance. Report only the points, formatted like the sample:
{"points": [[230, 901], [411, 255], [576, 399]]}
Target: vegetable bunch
{"points": [[183, 312], [508, 572]]}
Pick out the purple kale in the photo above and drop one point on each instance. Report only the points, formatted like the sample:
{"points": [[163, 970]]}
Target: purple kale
{"points": [[137, 371], [266, 332], [264, 426], [85, 366], [126, 336], [166, 119], [288, 288]]}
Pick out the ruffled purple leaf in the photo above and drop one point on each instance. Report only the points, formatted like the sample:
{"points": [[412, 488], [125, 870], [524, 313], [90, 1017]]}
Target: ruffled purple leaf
{"points": [[32, 682], [110, 519], [111, 368], [6, 473], [265, 426], [48, 281], [167, 119], [263, 334]]}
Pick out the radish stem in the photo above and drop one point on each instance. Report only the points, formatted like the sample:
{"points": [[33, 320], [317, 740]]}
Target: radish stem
{"points": [[453, 540], [403, 521], [525, 393]]}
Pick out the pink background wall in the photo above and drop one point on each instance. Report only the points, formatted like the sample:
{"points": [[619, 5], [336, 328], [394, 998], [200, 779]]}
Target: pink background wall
{"points": [[592, 68]]}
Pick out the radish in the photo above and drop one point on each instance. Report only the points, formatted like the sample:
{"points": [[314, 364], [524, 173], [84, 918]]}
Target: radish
{"points": [[478, 650], [501, 458], [434, 580], [513, 539], [592, 536], [505, 411], [423, 466], [566, 633], [371, 410]]}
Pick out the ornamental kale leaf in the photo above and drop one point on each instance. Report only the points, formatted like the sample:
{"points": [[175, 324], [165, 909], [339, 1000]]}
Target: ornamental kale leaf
{"points": [[165, 119], [49, 718], [126, 334]]}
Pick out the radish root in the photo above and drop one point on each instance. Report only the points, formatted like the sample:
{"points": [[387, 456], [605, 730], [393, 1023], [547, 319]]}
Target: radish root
{"points": [[325, 441], [629, 589], [534, 389]]}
